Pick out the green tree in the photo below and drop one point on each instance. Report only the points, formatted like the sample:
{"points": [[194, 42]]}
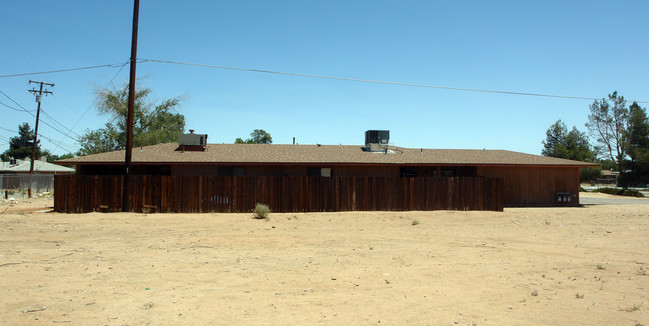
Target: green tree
{"points": [[636, 142], [152, 124], [53, 158], [607, 164], [100, 141], [554, 143], [21, 146], [636, 135], [607, 124], [258, 136], [571, 145]]}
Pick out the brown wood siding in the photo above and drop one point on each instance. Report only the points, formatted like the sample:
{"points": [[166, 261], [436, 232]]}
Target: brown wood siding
{"points": [[194, 170], [275, 171], [535, 186], [365, 171], [79, 193], [299, 170]]}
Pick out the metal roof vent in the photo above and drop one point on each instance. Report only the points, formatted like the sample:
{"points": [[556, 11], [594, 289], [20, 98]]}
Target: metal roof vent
{"points": [[192, 142], [377, 140]]}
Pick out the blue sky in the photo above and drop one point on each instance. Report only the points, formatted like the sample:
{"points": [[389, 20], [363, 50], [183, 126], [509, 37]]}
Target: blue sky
{"points": [[572, 48]]}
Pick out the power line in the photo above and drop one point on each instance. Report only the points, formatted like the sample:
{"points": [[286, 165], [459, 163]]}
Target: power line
{"points": [[65, 146], [114, 65], [69, 130], [45, 122], [12, 100], [376, 81], [11, 107], [121, 65], [15, 47], [60, 124], [89, 106], [15, 132]]}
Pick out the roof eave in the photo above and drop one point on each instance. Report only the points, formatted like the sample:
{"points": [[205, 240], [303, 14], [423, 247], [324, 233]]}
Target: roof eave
{"points": [[577, 165]]}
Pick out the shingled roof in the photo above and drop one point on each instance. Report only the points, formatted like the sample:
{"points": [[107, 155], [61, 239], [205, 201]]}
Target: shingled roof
{"points": [[247, 154], [23, 166]]}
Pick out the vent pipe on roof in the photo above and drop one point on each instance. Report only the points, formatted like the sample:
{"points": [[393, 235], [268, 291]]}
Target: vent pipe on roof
{"points": [[293, 140]]}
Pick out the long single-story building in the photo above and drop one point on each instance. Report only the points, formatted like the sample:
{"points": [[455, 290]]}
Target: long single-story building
{"points": [[41, 166], [528, 180], [14, 175]]}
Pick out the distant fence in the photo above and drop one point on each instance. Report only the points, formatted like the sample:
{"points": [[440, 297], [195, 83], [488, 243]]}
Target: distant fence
{"points": [[16, 185], [190, 194]]}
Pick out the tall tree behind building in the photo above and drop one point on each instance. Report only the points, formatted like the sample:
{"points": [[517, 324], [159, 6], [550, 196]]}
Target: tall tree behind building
{"points": [[152, 123], [571, 145], [606, 124], [21, 146], [636, 143], [257, 136]]}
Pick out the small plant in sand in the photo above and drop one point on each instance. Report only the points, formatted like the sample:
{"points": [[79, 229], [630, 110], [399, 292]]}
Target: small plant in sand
{"points": [[261, 211], [642, 271], [535, 293], [635, 307], [600, 266], [579, 296], [415, 222]]}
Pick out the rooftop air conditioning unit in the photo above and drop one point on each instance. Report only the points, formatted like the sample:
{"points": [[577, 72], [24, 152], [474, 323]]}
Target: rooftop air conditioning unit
{"points": [[377, 140], [192, 141]]}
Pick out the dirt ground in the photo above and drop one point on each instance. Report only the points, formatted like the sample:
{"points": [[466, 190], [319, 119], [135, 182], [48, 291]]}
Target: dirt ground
{"points": [[524, 266]]}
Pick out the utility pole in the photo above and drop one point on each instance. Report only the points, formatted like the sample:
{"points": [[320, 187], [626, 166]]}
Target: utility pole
{"points": [[126, 207], [39, 95]]}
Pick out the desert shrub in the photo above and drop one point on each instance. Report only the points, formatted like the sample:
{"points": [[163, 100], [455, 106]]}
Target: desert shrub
{"points": [[261, 211], [620, 192], [632, 193], [610, 191]]}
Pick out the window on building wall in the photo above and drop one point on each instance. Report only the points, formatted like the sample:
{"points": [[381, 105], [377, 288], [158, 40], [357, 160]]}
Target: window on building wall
{"points": [[228, 171], [444, 173], [448, 173], [318, 172], [407, 172]]}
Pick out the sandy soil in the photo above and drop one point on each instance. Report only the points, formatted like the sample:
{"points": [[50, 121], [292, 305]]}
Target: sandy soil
{"points": [[527, 266]]}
